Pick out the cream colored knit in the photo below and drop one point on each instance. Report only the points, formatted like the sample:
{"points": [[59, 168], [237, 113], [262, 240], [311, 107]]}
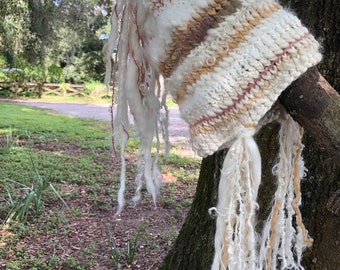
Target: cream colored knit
{"points": [[225, 62]]}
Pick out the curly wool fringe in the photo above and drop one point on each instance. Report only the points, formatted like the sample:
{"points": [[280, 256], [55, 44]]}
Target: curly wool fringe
{"points": [[235, 241], [138, 92], [282, 243]]}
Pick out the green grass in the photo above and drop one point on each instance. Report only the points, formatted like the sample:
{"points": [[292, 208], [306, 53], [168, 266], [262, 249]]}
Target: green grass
{"points": [[103, 99], [43, 154], [40, 150], [170, 103], [42, 136], [37, 124], [36, 144], [32, 201]]}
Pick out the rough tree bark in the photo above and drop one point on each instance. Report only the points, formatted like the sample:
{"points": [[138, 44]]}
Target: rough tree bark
{"points": [[193, 248], [315, 105]]}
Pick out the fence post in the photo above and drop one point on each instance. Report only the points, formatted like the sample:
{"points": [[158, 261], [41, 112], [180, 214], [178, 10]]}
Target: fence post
{"points": [[16, 89], [40, 89]]}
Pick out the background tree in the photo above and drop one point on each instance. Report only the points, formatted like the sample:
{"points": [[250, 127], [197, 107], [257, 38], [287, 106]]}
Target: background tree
{"points": [[194, 249], [54, 41], [14, 30]]}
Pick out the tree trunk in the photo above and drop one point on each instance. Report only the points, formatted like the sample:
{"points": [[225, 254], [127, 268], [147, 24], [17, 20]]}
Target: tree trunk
{"points": [[320, 208]]}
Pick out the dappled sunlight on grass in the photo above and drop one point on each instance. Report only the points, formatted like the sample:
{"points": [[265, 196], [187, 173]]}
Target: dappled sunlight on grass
{"points": [[75, 156]]}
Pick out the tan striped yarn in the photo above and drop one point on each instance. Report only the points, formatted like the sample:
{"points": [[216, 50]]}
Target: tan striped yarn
{"points": [[187, 36], [226, 62], [205, 125], [227, 47]]}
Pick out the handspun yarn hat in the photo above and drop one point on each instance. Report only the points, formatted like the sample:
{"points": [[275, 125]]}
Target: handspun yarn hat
{"points": [[225, 62]]}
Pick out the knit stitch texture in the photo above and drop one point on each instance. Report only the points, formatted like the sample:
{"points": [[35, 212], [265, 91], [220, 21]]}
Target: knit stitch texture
{"points": [[226, 63]]}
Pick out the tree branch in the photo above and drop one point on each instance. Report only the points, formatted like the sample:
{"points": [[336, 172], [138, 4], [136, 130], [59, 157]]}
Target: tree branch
{"points": [[315, 105]]}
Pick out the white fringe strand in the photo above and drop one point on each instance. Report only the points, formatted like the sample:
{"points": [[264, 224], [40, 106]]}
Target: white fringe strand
{"points": [[235, 238], [282, 241], [138, 94], [284, 236]]}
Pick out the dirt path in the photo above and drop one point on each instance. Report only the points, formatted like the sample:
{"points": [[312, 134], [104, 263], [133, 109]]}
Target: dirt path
{"points": [[178, 129]]}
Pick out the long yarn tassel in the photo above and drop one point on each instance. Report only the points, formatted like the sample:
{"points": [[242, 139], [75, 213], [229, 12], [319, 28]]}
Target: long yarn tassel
{"points": [[121, 123], [137, 92], [282, 242], [235, 238]]}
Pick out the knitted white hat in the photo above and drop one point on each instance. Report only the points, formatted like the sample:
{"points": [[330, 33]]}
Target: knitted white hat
{"points": [[225, 63]]}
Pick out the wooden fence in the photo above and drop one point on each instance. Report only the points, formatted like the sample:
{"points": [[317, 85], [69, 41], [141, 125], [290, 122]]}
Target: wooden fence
{"points": [[17, 89]]}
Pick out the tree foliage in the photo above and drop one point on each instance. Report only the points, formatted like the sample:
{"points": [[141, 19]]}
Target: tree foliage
{"points": [[14, 32], [58, 39]]}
